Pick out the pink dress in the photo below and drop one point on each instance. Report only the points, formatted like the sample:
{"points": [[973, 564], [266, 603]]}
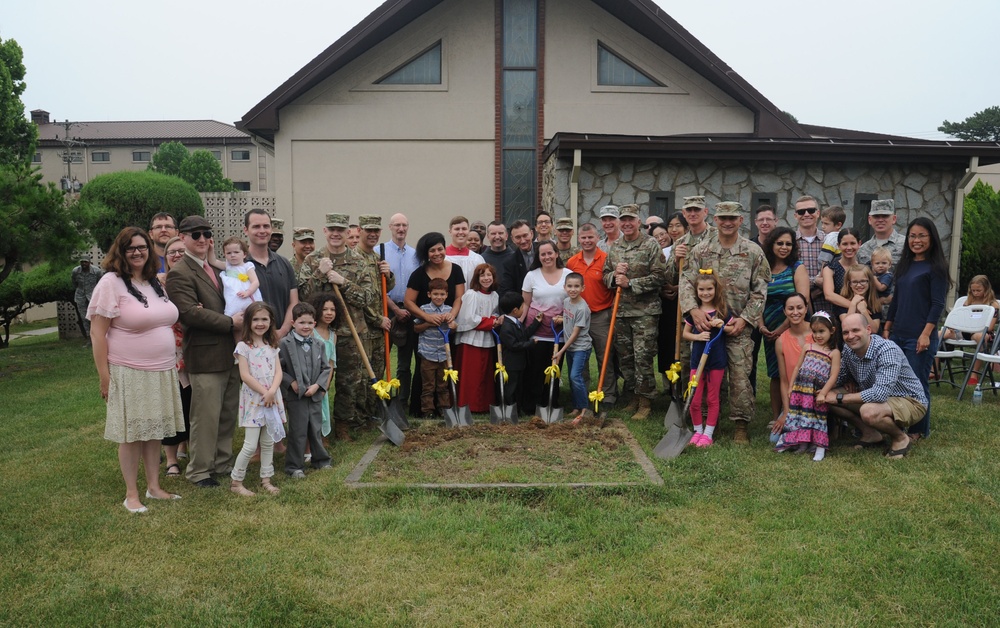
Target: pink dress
{"points": [[262, 362]]}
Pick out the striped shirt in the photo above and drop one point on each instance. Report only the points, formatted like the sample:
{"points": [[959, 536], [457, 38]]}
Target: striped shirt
{"points": [[883, 372], [431, 343]]}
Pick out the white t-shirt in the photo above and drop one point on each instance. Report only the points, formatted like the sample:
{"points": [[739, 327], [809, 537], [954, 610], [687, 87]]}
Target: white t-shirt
{"points": [[545, 298]]}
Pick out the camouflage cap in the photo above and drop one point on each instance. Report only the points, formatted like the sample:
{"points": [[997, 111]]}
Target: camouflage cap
{"points": [[629, 210], [277, 226], [609, 211], [304, 234], [85, 257], [338, 221], [564, 223], [883, 207], [370, 221], [694, 201], [728, 208]]}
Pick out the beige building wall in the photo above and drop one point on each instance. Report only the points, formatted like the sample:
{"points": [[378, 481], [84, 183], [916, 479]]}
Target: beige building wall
{"points": [[121, 158]]}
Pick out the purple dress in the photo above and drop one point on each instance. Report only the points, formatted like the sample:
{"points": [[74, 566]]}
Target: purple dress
{"points": [[806, 421]]}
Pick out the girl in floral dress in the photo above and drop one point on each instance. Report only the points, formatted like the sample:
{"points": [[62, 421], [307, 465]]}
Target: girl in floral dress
{"points": [[805, 424]]}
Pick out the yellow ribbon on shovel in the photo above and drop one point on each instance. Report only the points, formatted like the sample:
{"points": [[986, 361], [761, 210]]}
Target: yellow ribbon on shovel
{"points": [[394, 383], [674, 372], [550, 372], [382, 388], [597, 397], [501, 370], [691, 386], [451, 374]]}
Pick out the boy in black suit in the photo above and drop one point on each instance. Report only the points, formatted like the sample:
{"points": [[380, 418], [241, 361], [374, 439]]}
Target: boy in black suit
{"points": [[516, 339]]}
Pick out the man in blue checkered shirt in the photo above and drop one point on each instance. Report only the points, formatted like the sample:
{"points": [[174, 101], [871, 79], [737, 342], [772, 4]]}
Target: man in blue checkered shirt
{"points": [[877, 390]]}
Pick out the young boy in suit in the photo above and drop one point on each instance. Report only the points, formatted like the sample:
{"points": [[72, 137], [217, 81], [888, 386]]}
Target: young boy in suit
{"points": [[304, 375], [516, 339]]}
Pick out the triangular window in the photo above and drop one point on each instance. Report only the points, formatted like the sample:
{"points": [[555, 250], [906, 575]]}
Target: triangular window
{"points": [[424, 69], [613, 70]]}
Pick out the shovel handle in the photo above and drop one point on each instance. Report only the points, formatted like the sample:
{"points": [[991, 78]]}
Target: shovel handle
{"points": [[354, 333], [611, 337], [680, 321], [385, 332]]}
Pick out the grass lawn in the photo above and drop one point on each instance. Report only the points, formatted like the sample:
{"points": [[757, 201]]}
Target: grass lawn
{"points": [[736, 536]]}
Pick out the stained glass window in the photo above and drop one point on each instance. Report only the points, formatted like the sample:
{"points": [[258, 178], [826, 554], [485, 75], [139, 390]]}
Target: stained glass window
{"points": [[520, 33], [613, 70], [424, 69], [519, 178], [519, 108]]}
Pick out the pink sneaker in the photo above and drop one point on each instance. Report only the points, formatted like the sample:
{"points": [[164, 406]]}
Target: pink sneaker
{"points": [[695, 440], [706, 441]]}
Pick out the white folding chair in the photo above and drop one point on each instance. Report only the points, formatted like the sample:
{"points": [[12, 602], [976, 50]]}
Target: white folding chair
{"points": [[969, 320], [987, 360]]}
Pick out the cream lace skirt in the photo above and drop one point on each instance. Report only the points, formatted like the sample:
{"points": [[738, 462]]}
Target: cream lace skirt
{"points": [[143, 405]]}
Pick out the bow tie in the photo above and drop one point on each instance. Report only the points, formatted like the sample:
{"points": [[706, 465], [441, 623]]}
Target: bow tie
{"points": [[303, 342]]}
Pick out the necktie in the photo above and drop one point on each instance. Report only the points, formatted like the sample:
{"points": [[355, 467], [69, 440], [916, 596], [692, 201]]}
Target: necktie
{"points": [[211, 274]]}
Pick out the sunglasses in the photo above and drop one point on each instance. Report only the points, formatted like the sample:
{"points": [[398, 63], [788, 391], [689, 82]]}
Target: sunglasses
{"points": [[807, 210], [196, 235]]}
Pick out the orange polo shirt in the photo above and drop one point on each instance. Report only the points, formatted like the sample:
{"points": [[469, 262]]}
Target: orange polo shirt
{"points": [[595, 293]]}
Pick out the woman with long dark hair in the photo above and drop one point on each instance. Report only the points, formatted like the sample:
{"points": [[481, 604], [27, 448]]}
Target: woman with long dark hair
{"points": [[922, 283], [543, 290]]}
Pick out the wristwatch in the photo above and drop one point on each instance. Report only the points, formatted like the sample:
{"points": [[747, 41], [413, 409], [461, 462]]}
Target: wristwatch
{"points": [[840, 398]]}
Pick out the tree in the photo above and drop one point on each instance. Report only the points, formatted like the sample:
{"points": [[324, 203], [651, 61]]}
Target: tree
{"points": [[18, 135], [980, 235], [42, 284], [983, 126], [35, 222], [169, 158], [202, 170], [130, 198]]}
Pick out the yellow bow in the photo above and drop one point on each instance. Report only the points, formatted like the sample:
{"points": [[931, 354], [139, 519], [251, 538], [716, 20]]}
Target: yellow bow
{"points": [[597, 396], [550, 372], [394, 383], [243, 277], [705, 271], [691, 386], [451, 374], [381, 389], [501, 370], [674, 372]]}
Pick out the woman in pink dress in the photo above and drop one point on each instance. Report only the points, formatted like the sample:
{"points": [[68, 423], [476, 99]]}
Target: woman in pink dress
{"points": [[133, 343]]}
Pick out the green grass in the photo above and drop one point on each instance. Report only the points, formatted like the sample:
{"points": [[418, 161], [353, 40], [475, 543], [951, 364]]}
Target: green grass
{"points": [[737, 536], [33, 325]]}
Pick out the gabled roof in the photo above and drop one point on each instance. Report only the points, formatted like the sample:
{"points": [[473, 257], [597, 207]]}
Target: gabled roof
{"points": [[642, 15], [192, 131]]}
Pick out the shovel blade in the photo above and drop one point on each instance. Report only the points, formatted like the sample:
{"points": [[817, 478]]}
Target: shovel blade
{"points": [[451, 418], [496, 415], [392, 432], [464, 416], [550, 416], [397, 414], [673, 417], [673, 443]]}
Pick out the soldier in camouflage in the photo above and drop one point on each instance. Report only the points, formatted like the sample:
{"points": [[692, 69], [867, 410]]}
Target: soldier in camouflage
{"points": [[335, 264], [635, 264], [696, 213], [564, 239], [741, 267], [374, 340], [303, 243]]}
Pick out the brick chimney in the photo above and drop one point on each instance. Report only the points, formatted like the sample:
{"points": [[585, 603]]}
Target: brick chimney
{"points": [[40, 116]]}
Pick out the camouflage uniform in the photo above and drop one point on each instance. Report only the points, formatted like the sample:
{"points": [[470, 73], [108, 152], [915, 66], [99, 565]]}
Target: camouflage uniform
{"points": [[638, 309], [672, 276], [564, 255], [745, 273], [351, 378], [374, 340]]}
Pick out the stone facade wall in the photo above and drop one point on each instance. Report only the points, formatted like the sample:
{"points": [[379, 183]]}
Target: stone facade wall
{"points": [[918, 189]]}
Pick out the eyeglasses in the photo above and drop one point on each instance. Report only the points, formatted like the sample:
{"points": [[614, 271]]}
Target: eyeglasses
{"points": [[784, 244], [806, 210], [919, 236], [859, 282], [162, 228], [196, 235], [142, 248], [176, 253]]}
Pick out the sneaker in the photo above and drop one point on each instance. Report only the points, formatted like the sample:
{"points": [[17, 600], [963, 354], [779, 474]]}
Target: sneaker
{"points": [[706, 441], [695, 440], [298, 474]]}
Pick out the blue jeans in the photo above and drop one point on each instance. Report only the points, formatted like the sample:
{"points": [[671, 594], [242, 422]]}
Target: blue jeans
{"points": [[577, 363], [921, 364]]}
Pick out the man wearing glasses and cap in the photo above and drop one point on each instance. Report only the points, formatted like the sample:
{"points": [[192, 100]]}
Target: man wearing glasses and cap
{"points": [[303, 243], [611, 226], [882, 218], [743, 270]]}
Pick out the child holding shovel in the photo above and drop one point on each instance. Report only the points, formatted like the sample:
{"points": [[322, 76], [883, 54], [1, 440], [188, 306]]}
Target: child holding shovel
{"points": [[430, 348], [575, 317], [516, 339]]}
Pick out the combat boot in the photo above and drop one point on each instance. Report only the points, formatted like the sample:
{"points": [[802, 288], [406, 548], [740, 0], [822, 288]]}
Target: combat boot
{"points": [[643, 409], [740, 437]]}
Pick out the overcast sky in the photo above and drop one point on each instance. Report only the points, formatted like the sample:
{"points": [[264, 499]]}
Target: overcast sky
{"points": [[889, 66]]}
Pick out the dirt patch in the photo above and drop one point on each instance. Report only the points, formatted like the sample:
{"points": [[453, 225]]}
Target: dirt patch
{"points": [[595, 450]]}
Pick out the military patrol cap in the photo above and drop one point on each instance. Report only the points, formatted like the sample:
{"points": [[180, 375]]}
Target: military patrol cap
{"points": [[694, 201], [304, 234], [277, 226], [564, 223], [883, 207], [85, 257], [609, 211], [629, 210], [728, 208], [370, 221], [339, 221]]}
